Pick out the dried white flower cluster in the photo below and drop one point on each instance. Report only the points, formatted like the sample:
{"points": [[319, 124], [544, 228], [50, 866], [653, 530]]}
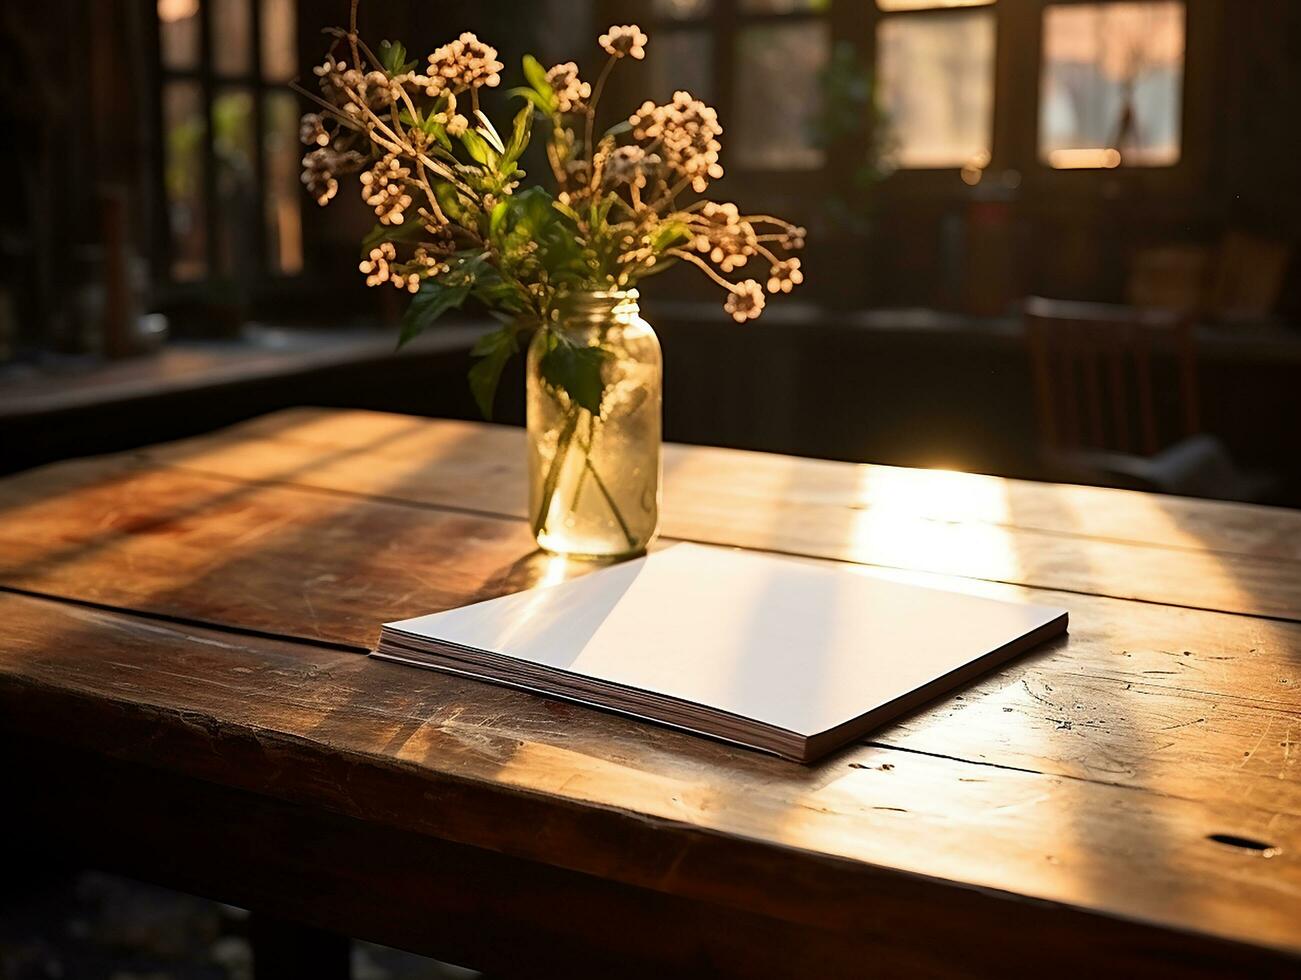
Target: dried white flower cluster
{"points": [[624, 40], [784, 276], [377, 266], [383, 188], [727, 237], [571, 91], [617, 195], [745, 301], [311, 131], [460, 65], [381, 266], [675, 147], [321, 168], [382, 90], [331, 73], [630, 165], [318, 176], [348, 93], [450, 119], [687, 130], [354, 91], [362, 100]]}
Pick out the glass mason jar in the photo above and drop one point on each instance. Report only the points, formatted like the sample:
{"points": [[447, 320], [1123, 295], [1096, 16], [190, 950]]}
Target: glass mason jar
{"points": [[594, 479]]}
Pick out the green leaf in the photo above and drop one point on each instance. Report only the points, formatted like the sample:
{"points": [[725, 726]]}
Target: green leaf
{"points": [[434, 299], [601, 210], [493, 350], [431, 125], [479, 149], [618, 129], [428, 124], [536, 98], [537, 78], [668, 234], [393, 56], [535, 73], [454, 204], [498, 295], [498, 217], [578, 371], [439, 132], [503, 299], [526, 213], [468, 267], [530, 228], [519, 137], [490, 343], [567, 211]]}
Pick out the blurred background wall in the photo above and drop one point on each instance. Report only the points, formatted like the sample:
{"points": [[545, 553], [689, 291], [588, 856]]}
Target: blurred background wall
{"points": [[162, 272]]}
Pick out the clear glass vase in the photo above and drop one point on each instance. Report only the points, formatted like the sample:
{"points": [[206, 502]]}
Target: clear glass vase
{"points": [[594, 476]]}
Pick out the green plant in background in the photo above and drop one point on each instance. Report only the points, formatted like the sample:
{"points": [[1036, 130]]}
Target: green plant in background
{"points": [[454, 222], [851, 120]]}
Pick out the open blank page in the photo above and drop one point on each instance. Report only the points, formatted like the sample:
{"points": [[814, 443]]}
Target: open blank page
{"points": [[799, 646]]}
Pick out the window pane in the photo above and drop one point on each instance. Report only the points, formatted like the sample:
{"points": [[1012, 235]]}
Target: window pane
{"points": [[1112, 84], [782, 6], [681, 9], [232, 36], [183, 133], [279, 40], [178, 33], [777, 94], [929, 4], [936, 86], [284, 193], [680, 59], [239, 225]]}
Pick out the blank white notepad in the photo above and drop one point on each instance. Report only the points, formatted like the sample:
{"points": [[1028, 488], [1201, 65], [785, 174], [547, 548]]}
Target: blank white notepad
{"points": [[786, 656]]}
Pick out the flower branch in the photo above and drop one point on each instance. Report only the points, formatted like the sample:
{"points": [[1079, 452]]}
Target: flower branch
{"points": [[453, 223]]}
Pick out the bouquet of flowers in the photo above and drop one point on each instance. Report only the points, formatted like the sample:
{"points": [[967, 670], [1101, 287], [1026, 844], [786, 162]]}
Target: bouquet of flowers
{"points": [[454, 222]]}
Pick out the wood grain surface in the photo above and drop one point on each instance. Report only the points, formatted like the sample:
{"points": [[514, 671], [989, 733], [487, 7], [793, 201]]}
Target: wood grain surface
{"points": [[198, 609]]}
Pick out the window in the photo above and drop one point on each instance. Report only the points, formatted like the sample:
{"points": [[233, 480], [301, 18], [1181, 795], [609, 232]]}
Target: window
{"points": [[758, 62], [681, 52], [777, 93], [1112, 85], [935, 76], [1110, 77], [229, 139]]}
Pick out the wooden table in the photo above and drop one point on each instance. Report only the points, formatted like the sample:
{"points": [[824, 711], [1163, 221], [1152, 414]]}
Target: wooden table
{"points": [[184, 696]]}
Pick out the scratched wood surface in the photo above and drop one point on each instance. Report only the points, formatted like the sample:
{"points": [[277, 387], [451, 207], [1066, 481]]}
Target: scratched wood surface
{"points": [[1086, 539], [200, 607]]}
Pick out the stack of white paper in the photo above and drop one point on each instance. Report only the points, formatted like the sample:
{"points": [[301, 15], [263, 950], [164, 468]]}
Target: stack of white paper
{"points": [[786, 656]]}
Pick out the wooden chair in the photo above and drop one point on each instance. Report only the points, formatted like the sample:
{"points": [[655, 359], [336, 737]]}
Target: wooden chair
{"points": [[1094, 375], [1118, 401]]}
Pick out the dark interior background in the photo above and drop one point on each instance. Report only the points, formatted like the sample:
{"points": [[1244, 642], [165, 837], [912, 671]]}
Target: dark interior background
{"points": [[162, 272], [152, 192]]}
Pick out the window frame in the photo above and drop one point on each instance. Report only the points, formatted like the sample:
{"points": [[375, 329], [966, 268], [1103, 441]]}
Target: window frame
{"points": [[1017, 73], [212, 84], [723, 23], [875, 17], [1185, 175]]}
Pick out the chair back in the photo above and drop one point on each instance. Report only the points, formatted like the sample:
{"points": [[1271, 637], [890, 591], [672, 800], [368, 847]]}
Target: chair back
{"points": [[1097, 370]]}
